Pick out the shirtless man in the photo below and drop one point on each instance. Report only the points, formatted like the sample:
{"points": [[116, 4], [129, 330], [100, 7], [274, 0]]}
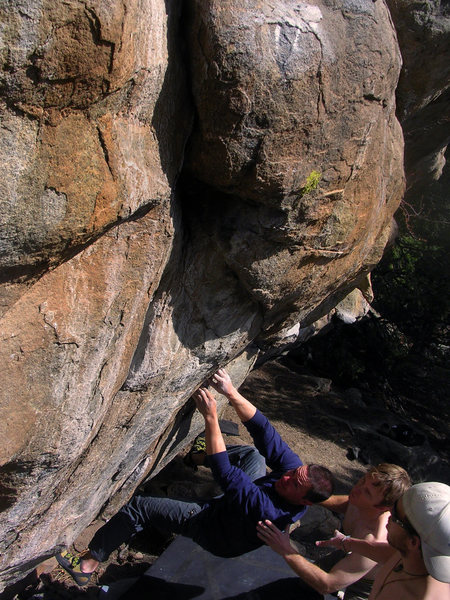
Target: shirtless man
{"points": [[416, 560], [366, 513]]}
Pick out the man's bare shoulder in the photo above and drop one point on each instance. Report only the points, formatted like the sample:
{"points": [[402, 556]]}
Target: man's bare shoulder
{"points": [[358, 524], [436, 590], [412, 588], [390, 584]]}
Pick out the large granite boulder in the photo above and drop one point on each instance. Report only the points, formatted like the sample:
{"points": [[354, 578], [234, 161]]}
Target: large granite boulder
{"points": [[282, 93], [181, 179]]}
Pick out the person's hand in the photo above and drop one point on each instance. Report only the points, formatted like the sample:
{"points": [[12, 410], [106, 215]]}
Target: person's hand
{"points": [[334, 542], [222, 383], [278, 540], [206, 403]]}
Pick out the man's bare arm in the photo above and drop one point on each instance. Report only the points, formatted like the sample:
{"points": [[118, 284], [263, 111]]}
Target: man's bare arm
{"points": [[222, 383], [377, 551], [336, 503], [349, 569]]}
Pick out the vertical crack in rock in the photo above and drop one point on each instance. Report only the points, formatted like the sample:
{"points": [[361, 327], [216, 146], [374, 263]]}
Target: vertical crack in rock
{"points": [[105, 151], [97, 35]]}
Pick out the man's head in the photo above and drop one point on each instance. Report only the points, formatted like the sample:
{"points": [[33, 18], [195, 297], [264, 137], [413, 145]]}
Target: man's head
{"points": [[400, 533], [307, 484], [380, 487], [424, 513]]}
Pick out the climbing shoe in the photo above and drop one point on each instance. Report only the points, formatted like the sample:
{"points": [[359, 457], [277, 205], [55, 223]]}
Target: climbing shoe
{"points": [[198, 448], [199, 444], [72, 564]]}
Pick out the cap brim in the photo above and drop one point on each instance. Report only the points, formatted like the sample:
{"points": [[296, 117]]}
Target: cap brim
{"points": [[438, 565]]}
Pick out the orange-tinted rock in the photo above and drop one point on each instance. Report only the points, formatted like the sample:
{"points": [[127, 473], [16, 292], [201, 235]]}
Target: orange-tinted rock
{"points": [[88, 125]]}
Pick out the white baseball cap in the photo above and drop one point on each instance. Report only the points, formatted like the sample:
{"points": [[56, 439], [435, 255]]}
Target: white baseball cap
{"points": [[427, 507]]}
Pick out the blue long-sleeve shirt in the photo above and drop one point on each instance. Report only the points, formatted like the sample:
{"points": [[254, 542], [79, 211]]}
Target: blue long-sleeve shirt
{"points": [[227, 525]]}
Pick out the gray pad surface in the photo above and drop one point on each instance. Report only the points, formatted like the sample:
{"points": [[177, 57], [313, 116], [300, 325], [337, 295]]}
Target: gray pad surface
{"points": [[186, 571]]}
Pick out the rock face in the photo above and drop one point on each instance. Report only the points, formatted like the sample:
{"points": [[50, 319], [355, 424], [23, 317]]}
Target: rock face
{"points": [[309, 100], [181, 180], [423, 99]]}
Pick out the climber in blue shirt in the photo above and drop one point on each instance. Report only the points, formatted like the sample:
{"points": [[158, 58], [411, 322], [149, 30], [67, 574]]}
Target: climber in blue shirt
{"points": [[225, 525]]}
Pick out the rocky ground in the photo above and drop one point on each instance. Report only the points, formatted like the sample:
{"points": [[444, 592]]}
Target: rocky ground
{"points": [[335, 427]]}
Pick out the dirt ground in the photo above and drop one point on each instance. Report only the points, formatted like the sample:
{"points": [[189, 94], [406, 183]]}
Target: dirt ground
{"points": [[307, 414]]}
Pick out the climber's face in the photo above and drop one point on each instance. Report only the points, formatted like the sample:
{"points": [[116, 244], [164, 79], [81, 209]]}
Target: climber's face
{"points": [[294, 485]]}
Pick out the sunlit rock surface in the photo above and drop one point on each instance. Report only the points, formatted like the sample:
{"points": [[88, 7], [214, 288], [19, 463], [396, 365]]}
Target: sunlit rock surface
{"points": [[282, 91], [182, 180]]}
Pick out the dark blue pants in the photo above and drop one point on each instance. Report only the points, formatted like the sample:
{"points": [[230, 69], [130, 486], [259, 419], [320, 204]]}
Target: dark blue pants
{"points": [[166, 514]]}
